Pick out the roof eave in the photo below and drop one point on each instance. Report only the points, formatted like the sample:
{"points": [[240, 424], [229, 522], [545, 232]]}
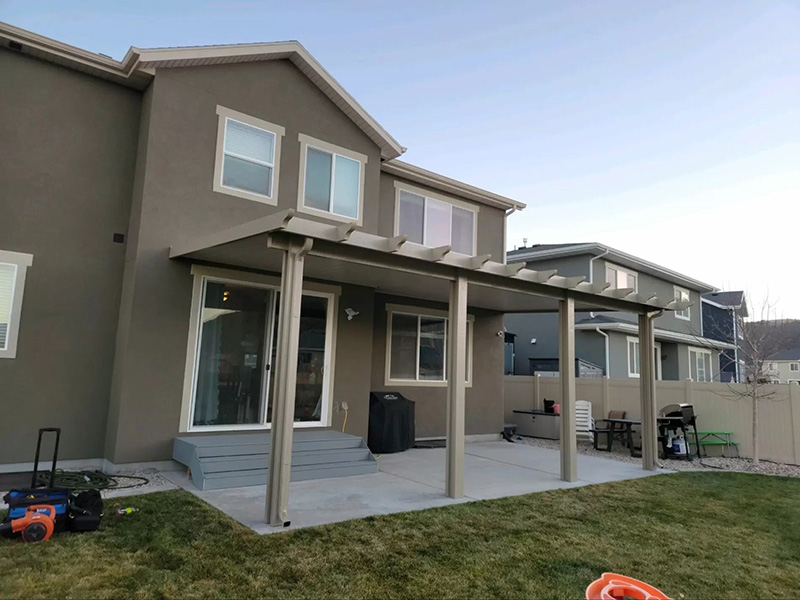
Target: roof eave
{"points": [[448, 185]]}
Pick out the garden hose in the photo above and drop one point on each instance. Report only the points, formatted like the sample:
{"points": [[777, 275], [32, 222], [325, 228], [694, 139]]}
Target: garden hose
{"points": [[91, 480]]}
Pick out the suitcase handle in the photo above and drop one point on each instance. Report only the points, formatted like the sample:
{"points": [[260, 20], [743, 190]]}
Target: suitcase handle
{"points": [[34, 476]]}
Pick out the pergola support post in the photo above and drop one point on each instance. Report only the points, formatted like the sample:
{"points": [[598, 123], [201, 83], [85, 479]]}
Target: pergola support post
{"points": [[280, 460], [647, 387], [566, 367], [456, 386]]}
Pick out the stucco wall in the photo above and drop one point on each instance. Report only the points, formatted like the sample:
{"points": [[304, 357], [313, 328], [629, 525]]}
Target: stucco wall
{"points": [[484, 404], [68, 146]]}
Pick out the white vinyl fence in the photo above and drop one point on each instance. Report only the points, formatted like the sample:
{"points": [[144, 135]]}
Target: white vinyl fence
{"points": [[715, 404]]}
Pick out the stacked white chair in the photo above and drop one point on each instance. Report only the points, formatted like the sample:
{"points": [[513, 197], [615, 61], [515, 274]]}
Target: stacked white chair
{"points": [[584, 423]]}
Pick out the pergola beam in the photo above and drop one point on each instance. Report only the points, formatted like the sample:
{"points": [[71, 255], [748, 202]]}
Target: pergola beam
{"points": [[566, 367]]}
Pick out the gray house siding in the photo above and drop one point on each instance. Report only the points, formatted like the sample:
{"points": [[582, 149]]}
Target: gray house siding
{"points": [[68, 147]]}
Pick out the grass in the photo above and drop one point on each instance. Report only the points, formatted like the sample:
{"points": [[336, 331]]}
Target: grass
{"points": [[693, 535]]}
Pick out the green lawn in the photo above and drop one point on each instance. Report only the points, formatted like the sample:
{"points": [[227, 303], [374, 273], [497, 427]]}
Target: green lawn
{"points": [[693, 535]]}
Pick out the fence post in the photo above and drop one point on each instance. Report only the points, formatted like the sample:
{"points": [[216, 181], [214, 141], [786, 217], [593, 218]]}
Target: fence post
{"points": [[606, 399], [794, 400], [537, 393]]}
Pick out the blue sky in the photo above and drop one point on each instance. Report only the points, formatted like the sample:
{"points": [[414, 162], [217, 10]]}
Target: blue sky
{"points": [[669, 130]]}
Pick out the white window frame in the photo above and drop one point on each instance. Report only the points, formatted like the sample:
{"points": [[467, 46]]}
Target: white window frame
{"points": [[20, 261], [686, 314], [426, 194], [794, 367], [403, 309], [616, 267], [709, 376], [656, 357], [306, 142], [202, 274], [277, 131]]}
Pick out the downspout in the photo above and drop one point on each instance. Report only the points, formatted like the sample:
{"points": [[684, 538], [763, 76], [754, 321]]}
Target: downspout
{"points": [[591, 267], [509, 212], [736, 343], [608, 361]]}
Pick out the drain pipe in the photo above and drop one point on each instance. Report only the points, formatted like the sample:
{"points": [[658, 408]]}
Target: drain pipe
{"points": [[509, 212], [608, 361], [591, 264]]}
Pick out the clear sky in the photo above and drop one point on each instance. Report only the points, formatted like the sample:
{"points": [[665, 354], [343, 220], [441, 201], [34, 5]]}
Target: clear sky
{"points": [[669, 130]]}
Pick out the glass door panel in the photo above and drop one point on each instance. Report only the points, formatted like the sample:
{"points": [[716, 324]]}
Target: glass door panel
{"points": [[231, 355], [311, 390]]}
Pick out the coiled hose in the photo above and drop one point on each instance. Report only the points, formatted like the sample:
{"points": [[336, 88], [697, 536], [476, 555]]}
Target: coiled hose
{"points": [[91, 480]]}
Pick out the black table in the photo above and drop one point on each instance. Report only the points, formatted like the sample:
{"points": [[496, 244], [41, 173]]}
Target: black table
{"points": [[663, 423], [612, 429]]}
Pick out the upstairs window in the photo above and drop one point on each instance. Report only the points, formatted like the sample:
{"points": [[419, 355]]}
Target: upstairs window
{"points": [[248, 153], [620, 278], [434, 223], [682, 294], [700, 365], [13, 267], [794, 367], [332, 180]]}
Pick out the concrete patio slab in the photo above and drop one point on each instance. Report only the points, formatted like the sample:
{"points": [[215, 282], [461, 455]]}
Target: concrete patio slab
{"points": [[414, 480]]}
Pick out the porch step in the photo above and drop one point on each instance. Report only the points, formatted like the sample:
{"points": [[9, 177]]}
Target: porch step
{"points": [[242, 459]]}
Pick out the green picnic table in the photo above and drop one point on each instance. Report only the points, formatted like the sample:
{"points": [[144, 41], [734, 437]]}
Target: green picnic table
{"points": [[717, 438]]}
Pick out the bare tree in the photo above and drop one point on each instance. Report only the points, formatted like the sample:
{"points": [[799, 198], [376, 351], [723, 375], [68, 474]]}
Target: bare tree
{"points": [[762, 338]]}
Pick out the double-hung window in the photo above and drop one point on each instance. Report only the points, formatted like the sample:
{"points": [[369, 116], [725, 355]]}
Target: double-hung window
{"points": [[700, 365], [13, 267], [633, 358], [620, 278], [331, 180], [682, 295], [435, 223], [248, 156], [417, 346], [794, 367]]}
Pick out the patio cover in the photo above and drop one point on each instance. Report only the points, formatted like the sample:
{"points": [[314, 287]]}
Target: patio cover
{"points": [[299, 248]]}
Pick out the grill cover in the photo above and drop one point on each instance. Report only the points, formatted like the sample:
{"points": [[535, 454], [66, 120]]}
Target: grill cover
{"points": [[391, 423]]}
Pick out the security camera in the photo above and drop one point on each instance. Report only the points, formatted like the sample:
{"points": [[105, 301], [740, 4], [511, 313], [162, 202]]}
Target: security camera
{"points": [[351, 313]]}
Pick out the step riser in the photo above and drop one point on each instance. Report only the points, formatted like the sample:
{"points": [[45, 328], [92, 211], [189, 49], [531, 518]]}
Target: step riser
{"points": [[262, 462], [234, 481], [245, 449]]}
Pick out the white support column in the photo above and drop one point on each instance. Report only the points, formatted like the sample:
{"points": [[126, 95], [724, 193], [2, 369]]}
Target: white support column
{"points": [[566, 367], [647, 387], [280, 460], [456, 386]]}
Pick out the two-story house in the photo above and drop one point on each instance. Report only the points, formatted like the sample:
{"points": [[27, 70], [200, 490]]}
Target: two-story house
{"points": [[202, 245], [608, 342], [723, 320], [784, 367]]}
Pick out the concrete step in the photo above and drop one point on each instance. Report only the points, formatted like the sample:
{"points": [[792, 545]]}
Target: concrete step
{"points": [[217, 481]]}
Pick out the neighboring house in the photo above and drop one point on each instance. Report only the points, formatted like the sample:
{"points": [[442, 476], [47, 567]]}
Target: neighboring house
{"points": [[175, 224], [784, 367], [723, 320], [609, 340]]}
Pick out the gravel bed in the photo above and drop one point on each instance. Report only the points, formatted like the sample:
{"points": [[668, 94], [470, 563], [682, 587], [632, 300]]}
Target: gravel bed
{"points": [[742, 465]]}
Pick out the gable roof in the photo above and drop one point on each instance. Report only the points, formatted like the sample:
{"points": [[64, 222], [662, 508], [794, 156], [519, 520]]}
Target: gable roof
{"points": [[791, 354], [138, 66], [546, 251], [727, 300]]}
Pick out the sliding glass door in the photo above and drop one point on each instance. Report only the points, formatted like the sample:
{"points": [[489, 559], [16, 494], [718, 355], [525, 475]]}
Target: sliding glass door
{"points": [[237, 353]]}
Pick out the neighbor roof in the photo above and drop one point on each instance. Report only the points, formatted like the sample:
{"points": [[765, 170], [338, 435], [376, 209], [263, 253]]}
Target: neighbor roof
{"points": [[791, 354], [727, 300], [611, 323], [137, 69], [545, 251]]}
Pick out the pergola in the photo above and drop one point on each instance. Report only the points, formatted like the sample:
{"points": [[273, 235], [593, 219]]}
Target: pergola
{"points": [[302, 248]]}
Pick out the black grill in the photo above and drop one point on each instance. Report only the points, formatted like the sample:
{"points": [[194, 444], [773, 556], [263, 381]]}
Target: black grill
{"points": [[672, 418]]}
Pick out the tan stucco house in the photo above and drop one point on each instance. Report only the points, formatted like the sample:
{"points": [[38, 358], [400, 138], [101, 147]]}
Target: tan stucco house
{"points": [[177, 223]]}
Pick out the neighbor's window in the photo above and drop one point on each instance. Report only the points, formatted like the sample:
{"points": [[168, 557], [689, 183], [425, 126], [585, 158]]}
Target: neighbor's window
{"points": [[248, 152], [621, 278], [333, 179], [682, 295], [700, 365], [794, 367], [633, 358], [13, 267], [417, 348], [435, 223]]}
